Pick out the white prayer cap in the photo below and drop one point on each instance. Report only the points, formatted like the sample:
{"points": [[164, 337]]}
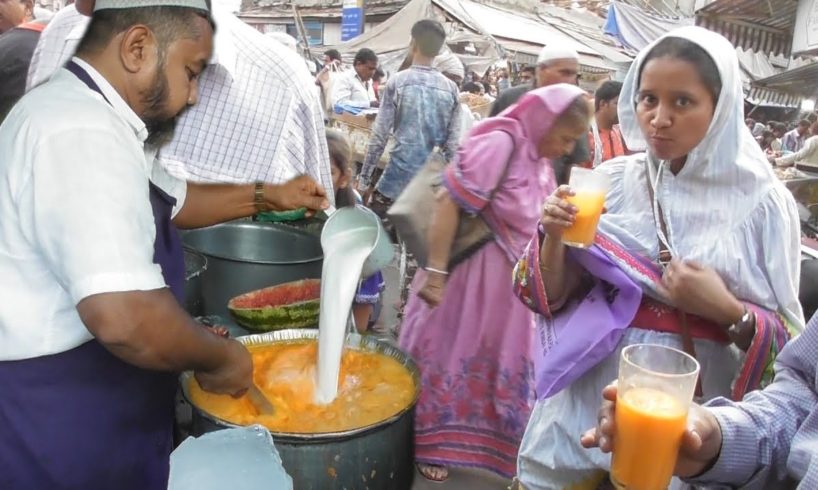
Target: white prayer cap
{"points": [[551, 53], [129, 4], [447, 63]]}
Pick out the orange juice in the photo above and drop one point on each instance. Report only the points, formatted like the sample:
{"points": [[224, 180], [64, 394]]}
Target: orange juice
{"points": [[583, 231], [649, 429]]}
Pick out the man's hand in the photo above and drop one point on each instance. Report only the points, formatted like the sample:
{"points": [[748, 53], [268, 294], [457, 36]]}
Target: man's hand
{"points": [[301, 192], [701, 442], [374, 104], [150, 330], [233, 376]]}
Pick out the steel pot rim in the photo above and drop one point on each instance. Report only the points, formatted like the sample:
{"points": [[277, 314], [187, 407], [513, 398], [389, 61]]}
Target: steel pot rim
{"points": [[253, 225], [353, 340]]}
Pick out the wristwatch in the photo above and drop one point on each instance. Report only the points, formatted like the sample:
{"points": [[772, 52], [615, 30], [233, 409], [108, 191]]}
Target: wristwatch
{"points": [[258, 198], [742, 332]]}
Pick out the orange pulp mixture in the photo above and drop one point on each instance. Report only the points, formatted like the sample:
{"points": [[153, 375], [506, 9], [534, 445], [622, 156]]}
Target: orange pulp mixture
{"points": [[371, 387]]}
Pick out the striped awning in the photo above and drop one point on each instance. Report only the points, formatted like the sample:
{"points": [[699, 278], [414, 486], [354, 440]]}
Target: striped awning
{"points": [[759, 25], [800, 82]]}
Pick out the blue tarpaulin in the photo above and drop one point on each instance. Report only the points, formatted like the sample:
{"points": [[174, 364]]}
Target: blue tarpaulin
{"points": [[635, 29]]}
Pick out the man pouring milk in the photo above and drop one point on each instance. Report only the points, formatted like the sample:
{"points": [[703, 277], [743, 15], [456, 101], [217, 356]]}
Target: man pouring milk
{"points": [[91, 266]]}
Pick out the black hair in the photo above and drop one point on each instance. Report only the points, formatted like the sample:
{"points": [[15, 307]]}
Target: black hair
{"points": [[682, 49], [333, 54], [529, 69], [780, 127], [168, 24], [471, 87], [804, 123], [379, 73], [429, 37], [339, 156], [607, 92], [365, 56]]}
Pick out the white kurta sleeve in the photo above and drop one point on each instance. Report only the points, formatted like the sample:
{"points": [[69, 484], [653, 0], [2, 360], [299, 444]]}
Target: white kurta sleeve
{"points": [[91, 216], [780, 231]]}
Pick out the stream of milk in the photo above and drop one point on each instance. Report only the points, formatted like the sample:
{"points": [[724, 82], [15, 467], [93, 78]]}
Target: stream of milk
{"points": [[344, 258]]}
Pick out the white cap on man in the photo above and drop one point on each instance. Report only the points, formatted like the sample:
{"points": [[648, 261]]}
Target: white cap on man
{"points": [[553, 53], [130, 4]]}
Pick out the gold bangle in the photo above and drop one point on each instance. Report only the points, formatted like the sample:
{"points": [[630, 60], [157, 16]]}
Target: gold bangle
{"points": [[258, 199]]}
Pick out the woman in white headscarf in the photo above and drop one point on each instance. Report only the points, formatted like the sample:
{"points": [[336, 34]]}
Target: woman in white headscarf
{"points": [[703, 194]]}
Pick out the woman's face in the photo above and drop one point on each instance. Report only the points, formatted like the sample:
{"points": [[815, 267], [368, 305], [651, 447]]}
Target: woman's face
{"points": [[560, 140], [674, 107]]}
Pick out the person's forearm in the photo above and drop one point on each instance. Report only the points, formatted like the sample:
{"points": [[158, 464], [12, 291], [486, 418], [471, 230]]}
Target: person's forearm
{"points": [[442, 232], [367, 169], [757, 437], [559, 278], [150, 330], [210, 204], [376, 147], [794, 157]]}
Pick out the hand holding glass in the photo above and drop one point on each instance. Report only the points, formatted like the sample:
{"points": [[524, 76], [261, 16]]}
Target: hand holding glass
{"points": [[655, 388]]}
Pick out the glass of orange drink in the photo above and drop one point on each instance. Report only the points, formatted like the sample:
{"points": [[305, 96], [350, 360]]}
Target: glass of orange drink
{"points": [[589, 189], [655, 388]]}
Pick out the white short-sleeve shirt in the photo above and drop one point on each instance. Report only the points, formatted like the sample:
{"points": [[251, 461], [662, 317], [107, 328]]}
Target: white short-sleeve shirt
{"points": [[75, 212]]}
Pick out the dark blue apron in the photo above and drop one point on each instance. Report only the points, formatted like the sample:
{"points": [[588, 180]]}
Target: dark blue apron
{"points": [[84, 419]]}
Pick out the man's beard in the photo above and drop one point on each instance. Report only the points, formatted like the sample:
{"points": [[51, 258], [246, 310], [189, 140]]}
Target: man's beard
{"points": [[160, 127]]}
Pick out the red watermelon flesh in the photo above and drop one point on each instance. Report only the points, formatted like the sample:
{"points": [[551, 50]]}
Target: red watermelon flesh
{"points": [[281, 295]]}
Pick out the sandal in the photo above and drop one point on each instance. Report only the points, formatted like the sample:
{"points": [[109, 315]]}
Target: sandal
{"points": [[432, 472]]}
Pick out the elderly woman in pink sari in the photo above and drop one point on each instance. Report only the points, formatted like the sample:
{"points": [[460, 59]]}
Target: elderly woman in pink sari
{"points": [[463, 326]]}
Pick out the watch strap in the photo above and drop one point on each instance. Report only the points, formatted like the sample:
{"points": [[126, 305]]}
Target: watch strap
{"points": [[258, 197]]}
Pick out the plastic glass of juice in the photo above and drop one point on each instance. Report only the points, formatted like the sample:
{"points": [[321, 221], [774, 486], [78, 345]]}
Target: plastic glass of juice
{"points": [[590, 189], [656, 385]]}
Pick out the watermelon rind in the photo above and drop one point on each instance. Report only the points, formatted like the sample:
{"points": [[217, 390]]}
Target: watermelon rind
{"points": [[299, 314]]}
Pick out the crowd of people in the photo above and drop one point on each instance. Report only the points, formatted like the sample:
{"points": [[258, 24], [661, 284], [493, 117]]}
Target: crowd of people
{"points": [[174, 113], [787, 144]]}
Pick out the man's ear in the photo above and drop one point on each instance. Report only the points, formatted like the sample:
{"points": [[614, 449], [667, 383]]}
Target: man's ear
{"points": [[138, 48]]}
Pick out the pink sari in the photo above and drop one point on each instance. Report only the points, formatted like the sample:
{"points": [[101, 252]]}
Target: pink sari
{"points": [[474, 349]]}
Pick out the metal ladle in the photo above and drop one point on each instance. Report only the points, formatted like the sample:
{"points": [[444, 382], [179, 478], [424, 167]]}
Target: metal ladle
{"points": [[260, 400]]}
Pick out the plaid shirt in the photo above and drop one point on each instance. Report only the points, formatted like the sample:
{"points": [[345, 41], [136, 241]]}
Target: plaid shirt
{"points": [[56, 46], [258, 117]]}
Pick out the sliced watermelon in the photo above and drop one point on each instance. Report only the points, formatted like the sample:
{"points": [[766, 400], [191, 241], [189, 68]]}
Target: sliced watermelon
{"points": [[291, 305]]}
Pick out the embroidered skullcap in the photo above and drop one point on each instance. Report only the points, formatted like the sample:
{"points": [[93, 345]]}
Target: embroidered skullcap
{"points": [[551, 53], [129, 4]]}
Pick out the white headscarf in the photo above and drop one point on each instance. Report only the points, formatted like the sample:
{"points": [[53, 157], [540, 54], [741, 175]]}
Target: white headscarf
{"points": [[725, 208], [448, 63]]}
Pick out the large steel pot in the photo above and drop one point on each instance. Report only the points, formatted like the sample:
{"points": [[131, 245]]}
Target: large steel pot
{"points": [[377, 457], [195, 265], [243, 256]]}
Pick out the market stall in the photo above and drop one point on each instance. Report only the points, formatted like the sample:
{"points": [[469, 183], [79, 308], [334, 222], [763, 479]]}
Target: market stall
{"points": [[358, 130], [802, 181]]}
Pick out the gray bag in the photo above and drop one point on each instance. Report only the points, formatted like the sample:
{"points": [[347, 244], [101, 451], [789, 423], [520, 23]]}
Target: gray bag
{"points": [[413, 211]]}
